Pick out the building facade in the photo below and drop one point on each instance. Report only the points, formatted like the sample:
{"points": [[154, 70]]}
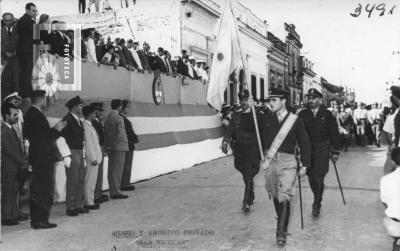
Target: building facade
{"points": [[308, 75], [295, 82], [198, 23], [278, 63]]}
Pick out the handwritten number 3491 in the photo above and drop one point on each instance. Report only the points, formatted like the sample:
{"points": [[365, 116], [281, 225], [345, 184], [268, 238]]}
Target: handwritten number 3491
{"points": [[380, 8]]}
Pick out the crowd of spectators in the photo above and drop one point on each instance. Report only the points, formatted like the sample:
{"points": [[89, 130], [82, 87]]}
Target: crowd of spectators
{"points": [[17, 51], [75, 147]]}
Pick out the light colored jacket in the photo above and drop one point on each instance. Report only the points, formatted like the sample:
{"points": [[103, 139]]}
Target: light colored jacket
{"points": [[91, 143], [115, 138]]}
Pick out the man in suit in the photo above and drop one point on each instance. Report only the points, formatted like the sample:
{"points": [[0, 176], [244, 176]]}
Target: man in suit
{"points": [[323, 130], [9, 39], [132, 140], [43, 154], [159, 62], [93, 156], [132, 46], [74, 135], [99, 197], [281, 132], [58, 40], [116, 146], [130, 61], [15, 100], [144, 56], [25, 48], [13, 160]]}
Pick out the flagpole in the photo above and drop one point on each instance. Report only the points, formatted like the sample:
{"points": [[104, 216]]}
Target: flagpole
{"points": [[245, 77]]}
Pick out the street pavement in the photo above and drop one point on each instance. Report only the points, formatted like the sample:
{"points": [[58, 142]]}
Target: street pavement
{"points": [[199, 209]]}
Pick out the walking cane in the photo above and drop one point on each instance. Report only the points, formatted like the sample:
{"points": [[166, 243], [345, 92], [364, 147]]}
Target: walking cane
{"points": [[301, 199], [340, 185]]}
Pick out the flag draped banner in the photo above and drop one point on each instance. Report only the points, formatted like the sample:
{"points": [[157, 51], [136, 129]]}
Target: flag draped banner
{"points": [[227, 57]]}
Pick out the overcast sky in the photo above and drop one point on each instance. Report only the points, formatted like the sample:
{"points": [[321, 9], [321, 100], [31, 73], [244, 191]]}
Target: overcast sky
{"points": [[352, 51], [345, 50]]}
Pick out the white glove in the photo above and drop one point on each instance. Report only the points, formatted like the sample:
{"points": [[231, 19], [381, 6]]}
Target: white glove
{"points": [[67, 162]]}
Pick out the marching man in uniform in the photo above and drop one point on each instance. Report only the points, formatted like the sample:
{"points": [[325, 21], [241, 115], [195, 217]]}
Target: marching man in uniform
{"points": [[241, 133], [281, 133], [323, 130]]}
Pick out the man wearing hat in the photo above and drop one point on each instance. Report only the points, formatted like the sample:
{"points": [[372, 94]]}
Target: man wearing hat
{"points": [[281, 131], [99, 197], [43, 154], [74, 135], [323, 130], [241, 133]]}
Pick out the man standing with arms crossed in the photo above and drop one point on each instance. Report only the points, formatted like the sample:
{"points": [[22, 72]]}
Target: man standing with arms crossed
{"points": [[281, 133], [323, 130]]}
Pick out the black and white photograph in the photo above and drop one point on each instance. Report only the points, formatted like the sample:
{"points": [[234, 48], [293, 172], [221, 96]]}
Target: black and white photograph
{"points": [[200, 125]]}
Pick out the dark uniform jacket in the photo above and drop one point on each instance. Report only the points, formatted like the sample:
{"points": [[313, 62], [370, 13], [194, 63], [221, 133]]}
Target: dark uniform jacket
{"points": [[241, 129], [130, 133], [297, 136], [322, 128], [40, 136], [73, 132]]}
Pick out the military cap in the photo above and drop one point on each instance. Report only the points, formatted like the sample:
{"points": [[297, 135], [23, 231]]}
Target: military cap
{"points": [[97, 106], [395, 90], [38, 93], [74, 101], [277, 93], [244, 94], [315, 93], [11, 96]]}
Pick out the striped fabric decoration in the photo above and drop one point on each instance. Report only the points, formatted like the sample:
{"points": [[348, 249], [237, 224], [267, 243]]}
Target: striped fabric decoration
{"points": [[182, 132]]}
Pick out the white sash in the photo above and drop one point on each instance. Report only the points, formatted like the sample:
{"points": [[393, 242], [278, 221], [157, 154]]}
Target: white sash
{"points": [[279, 138]]}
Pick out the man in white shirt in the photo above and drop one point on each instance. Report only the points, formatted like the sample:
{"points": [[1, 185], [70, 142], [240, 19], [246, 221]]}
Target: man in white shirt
{"points": [[360, 118], [390, 197], [375, 119], [91, 48]]}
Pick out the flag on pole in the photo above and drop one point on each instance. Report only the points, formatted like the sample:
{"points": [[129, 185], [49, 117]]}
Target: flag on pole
{"points": [[227, 57]]}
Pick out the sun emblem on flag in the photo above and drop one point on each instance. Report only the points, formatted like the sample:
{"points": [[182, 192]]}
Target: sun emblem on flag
{"points": [[46, 76]]}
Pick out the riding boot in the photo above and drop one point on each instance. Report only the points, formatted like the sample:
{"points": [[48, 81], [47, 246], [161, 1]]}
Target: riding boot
{"points": [[318, 200], [252, 197], [283, 222], [246, 199]]}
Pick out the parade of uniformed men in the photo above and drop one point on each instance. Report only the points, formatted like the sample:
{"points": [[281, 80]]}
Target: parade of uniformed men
{"points": [[322, 128], [200, 125]]}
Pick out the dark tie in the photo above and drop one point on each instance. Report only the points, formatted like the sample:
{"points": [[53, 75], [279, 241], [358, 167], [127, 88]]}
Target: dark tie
{"points": [[9, 33]]}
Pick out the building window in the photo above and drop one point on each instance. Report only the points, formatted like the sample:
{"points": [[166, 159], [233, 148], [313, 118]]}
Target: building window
{"points": [[254, 86], [262, 88]]}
